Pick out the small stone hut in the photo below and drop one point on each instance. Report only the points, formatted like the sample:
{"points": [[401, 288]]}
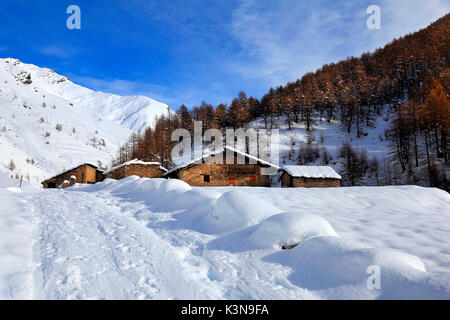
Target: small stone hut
{"points": [[309, 177], [136, 168], [225, 167], [86, 173]]}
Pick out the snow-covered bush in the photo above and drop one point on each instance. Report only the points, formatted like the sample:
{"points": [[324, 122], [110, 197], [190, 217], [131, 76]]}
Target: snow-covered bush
{"points": [[287, 230]]}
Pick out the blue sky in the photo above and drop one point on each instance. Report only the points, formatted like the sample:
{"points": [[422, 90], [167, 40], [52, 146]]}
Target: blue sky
{"points": [[193, 50]]}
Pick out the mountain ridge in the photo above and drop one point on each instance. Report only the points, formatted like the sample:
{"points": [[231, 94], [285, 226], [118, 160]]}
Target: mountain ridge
{"points": [[48, 123], [135, 112]]}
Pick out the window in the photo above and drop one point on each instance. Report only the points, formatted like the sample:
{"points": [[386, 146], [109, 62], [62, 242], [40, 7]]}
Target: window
{"points": [[206, 178]]}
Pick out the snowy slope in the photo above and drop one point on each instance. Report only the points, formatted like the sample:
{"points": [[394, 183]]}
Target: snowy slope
{"points": [[330, 137], [162, 239], [93, 125], [133, 112]]}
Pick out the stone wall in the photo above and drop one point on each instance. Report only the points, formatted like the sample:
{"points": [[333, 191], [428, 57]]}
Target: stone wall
{"points": [[141, 170], [298, 182], [90, 175], [286, 180], [224, 175], [84, 174]]}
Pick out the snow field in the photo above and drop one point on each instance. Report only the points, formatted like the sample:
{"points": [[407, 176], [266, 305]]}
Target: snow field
{"points": [[16, 238], [246, 220], [162, 239]]}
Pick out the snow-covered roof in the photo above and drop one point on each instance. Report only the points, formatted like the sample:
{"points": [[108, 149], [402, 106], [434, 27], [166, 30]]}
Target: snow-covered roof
{"points": [[136, 161], [218, 151], [311, 172]]}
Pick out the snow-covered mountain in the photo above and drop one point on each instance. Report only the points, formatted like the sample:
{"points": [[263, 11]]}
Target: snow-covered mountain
{"points": [[48, 123], [133, 112]]}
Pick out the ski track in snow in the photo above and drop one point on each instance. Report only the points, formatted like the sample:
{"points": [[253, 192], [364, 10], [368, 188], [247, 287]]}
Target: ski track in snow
{"points": [[88, 247]]}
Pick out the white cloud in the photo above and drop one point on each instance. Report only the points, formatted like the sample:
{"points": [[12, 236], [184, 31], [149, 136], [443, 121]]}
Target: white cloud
{"points": [[55, 51], [400, 17], [282, 40]]}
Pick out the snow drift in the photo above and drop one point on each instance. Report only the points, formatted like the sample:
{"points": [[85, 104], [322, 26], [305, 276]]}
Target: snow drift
{"points": [[323, 263], [288, 229], [236, 210]]}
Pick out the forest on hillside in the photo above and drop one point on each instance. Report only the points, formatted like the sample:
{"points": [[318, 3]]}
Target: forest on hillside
{"points": [[409, 78]]}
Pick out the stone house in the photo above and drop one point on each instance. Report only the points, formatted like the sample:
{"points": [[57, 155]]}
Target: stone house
{"points": [[225, 167], [309, 177], [136, 168], [86, 173]]}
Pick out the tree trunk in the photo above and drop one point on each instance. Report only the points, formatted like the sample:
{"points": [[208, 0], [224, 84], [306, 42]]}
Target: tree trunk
{"points": [[358, 131], [438, 153], [399, 154], [415, 150], [428, 156], [444, 146]]}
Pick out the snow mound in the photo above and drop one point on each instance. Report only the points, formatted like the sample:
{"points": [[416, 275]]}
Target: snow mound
{"points": [[150, 185], [194, 198], [175, 186], [237, 209], [399, 261], [14, 189], [328, 262], [162, 192], [289, 229], [127, 184]]}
